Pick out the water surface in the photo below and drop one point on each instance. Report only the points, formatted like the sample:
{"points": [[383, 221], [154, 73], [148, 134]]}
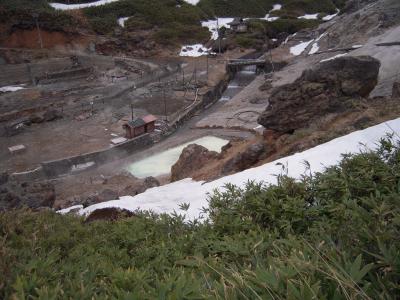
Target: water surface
{"points": [[161, 163]]}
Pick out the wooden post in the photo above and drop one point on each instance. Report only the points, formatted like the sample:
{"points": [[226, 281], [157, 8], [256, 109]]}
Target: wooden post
{"points": [[36, 16], [219, 37], [207, 66], [165, 105]]}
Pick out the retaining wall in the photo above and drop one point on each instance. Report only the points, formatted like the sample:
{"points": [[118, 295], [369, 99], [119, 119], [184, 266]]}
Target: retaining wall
{"points": [[82, 162]]}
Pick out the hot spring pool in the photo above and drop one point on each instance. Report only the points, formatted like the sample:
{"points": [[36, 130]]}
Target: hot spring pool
{"points": [[161, 163]]}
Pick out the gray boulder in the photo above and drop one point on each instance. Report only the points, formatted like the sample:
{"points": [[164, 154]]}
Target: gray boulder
{"points": [[331, 87]]}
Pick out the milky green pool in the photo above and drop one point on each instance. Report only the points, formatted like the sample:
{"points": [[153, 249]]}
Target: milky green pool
{"points": [[161, 163]]}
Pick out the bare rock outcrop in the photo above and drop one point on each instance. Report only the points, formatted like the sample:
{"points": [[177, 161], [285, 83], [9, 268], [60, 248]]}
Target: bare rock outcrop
{"points": [[29, 194], [331, 87], [246, 159], [192, 158], [108, 214]]}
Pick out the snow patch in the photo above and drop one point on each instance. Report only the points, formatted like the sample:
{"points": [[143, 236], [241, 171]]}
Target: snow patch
{"points": [[11, 88], [193, 2], [330, 17], [166, 199], [309, 16], [314, 49], [121, 21], [194, 50], [299, 49], [333, 57], [270, 19], [61, 6], [321, 36], [276, 7], [214, 25]]}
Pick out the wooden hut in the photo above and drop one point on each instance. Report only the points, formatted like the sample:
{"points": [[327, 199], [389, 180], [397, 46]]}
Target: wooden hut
{"points": [[139, 126]]}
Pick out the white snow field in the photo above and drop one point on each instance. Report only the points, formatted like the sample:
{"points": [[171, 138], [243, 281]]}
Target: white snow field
{"points": [[121, 21], [11, 88], [161, 163], [309, 16], [299, 49], [330, 17], [333, 57], [62, 6], [212, 25], [195, 50], [193, 2], [167, 198]]}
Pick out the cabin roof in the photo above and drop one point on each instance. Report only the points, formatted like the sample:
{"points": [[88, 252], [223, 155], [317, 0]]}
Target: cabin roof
{"points": [[141, 121], [149, 118]]}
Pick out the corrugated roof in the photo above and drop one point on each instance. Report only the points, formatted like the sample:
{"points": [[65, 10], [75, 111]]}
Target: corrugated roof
{"points": [[149, 118]]}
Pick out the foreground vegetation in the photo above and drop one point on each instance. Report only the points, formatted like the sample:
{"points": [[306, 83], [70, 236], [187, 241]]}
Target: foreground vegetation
{"points": [[332, 235]]}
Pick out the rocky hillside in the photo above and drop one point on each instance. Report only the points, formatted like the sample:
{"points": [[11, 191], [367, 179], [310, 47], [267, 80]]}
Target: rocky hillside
{"points": [[147, 25]]}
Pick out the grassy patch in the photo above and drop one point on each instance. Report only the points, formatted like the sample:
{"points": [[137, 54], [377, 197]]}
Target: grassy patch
{"points": [[332, 235]]}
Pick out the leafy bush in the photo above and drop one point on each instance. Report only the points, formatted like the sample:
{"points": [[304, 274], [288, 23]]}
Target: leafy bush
{"points": [[22, 13], [259, 8], [331, 235]]}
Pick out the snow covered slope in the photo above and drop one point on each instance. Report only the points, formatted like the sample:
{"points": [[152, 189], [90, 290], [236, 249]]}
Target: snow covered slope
{"points": [[62, 6], [166, 199]]}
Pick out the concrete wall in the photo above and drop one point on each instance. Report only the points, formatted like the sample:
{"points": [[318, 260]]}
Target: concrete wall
{"points": [[82, 162], [216, 92]]}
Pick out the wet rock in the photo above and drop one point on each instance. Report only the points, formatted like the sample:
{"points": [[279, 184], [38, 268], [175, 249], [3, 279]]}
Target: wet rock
{"points": [[108, 214], [107, 195], [226, 147], [246, 159], [332, 87], [150, 182], [103, 196], [192, 158], [139, 187]]}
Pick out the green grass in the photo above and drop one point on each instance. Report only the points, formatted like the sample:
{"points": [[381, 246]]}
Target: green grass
{"points": [[332, 235]]}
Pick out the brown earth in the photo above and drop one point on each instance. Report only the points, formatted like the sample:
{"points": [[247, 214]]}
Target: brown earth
{"points": [[29, 38]]}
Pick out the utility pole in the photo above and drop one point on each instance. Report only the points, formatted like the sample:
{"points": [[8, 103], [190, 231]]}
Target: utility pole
{"points": [[131, 111], [195, 71], [165, 105], [219, 37], [36, 17], [207, 65]]}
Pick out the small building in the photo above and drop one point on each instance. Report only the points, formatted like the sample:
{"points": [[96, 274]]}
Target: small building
{"points": [[140, 126], [238, 25]]}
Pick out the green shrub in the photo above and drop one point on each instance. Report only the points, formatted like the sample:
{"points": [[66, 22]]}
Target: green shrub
{"points": [[331, 235], [177, 33]]}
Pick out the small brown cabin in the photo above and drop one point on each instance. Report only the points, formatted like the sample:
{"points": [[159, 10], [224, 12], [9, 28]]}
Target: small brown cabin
{"points": [[140, 126]]}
